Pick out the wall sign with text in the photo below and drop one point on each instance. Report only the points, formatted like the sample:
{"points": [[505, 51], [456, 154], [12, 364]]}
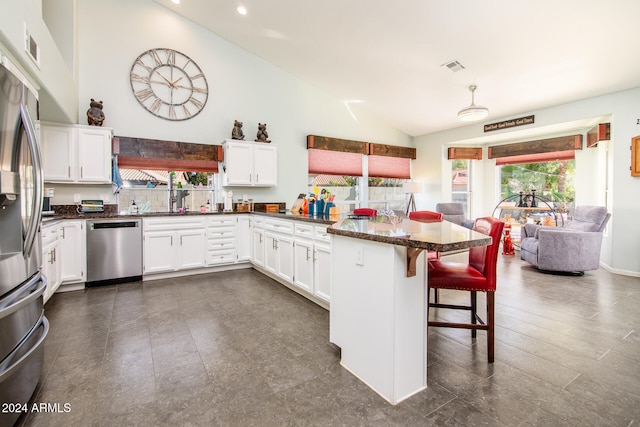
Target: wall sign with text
{"points": [[510, 123]]}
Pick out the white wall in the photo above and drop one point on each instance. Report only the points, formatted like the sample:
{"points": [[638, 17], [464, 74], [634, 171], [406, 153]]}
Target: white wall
{"points": [[241, 86], [58, 94], [621, 246]]}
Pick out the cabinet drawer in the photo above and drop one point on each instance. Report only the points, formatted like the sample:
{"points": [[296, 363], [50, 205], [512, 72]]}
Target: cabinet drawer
{"points": [[222, 221], [220, 257], [49, 233], [221, 233], [258, 221], [172, 223], [285, 227], [321, 234], [304, 230], [218, 244]]}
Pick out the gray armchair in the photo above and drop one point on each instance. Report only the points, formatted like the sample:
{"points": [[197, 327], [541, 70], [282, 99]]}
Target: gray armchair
{"points": [[574, 248], [454, 212]]}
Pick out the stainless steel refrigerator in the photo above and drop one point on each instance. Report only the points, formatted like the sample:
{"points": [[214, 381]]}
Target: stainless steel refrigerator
{"points": [[23, 326]]}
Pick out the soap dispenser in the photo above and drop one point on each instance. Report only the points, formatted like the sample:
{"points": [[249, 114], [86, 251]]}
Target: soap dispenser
{"points": [[134, 208]]}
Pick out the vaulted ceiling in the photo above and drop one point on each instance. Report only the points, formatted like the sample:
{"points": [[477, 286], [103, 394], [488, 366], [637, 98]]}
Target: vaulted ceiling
{"points": [[389, 56]]}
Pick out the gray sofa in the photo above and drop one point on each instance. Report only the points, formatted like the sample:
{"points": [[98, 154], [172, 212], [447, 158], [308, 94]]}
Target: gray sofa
{"points": [[574, 248]]}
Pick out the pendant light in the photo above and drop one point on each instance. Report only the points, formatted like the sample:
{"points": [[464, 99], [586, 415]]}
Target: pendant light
{"points": [[473, 112]]}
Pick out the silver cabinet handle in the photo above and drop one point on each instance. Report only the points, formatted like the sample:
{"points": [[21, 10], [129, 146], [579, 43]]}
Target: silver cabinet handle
{"points": [[307, 254]]}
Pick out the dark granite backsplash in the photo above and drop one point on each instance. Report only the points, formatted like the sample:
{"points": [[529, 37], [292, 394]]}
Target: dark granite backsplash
{"points": [[110, 210], [67, 210]]}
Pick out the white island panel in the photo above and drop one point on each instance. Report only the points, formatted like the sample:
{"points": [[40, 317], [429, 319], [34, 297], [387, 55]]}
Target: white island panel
{"points": [[378, 316]]}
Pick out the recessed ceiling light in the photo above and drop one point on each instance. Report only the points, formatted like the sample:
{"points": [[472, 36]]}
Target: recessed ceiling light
{"points": [[176, 1], [242, 10]]}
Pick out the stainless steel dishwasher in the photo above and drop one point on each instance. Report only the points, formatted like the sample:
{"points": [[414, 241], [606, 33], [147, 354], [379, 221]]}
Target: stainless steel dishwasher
{"points": [[114, 251]]}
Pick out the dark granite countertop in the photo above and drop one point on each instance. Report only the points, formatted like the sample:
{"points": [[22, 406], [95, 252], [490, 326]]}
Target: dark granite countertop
{"points": [[321, 219], [436, 236]]}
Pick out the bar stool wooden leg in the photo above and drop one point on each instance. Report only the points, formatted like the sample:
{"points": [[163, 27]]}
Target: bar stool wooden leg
{"points": [[490, 324]]}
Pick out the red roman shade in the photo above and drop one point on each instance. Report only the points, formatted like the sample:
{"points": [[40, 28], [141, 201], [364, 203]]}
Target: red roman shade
{"points": [[324, 162], [389, 167], [536, 158]]}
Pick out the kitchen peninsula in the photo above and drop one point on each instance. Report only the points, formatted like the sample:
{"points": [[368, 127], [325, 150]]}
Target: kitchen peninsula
{"points": [[379, 300]]}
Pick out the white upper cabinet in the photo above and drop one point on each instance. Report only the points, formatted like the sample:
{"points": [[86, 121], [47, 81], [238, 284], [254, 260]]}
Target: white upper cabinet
{"points": [[76, 153], [249, 164]]}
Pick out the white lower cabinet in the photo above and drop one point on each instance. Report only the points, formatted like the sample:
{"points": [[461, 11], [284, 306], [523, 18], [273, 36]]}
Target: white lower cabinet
{"points": [[297, 253], [221, 239], [73, 253], [321, 271], [303, 265], [50, 258], [278, 238], [244, 238], [173, 244], [259, 244], [312, 260]]}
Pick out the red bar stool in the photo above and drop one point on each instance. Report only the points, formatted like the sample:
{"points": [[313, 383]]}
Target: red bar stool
{"points": [[478, 275]]}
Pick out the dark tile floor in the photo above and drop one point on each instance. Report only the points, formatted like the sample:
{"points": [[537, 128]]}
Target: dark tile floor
{"points": [[238, 349]]}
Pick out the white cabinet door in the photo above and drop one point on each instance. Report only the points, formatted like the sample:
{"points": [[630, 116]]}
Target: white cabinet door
{"points": [[73, 256], [58, 153], [284, 247], [249, 164], [76, 153], [322, 274], [51, 268], [265, 161], [94, 154], [192, 249], [270, 253], [159, 255], [259, 246], [303, 265], [244, 241], [238, 163]]}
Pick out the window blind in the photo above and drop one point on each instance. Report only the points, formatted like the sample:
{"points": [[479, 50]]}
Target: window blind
{"points": [[389, 167], [536, 158], [325, 162]]}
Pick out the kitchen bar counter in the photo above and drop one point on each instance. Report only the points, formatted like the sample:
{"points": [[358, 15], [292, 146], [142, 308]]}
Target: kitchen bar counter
{"points": [[379, 298], [441, 236]]}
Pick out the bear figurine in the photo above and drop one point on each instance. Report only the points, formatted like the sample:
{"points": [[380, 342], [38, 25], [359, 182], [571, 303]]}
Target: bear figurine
{"points": [[237, 133], [262, 136], [95, 116]]}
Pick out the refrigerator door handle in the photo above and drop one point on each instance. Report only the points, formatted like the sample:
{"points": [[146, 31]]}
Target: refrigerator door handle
{"points": [[8, 306], [36, 211], [16, 365]]}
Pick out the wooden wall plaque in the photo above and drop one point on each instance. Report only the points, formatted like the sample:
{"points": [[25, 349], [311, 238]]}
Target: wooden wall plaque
{"points": [[635, 156]]}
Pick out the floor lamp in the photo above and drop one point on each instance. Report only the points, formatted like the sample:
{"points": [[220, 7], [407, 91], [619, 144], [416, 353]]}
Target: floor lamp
{"points": [[411, 188]]}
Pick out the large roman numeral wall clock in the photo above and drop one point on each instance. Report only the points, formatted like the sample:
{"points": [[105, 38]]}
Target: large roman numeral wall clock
{"points": [[169, 84]]}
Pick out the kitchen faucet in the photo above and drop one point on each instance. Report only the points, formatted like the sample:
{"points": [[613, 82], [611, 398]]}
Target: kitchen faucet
{"points": [[172, 195]]}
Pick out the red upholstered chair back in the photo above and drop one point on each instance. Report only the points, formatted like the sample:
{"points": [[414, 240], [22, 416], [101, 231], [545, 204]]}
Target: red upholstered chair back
{"points": [[426, 216], [365, 211], [485, 258]]}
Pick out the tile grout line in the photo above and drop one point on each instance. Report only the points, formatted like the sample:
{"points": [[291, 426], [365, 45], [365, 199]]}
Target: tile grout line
{"points": [[627, 336], [604, 354], [572, 380]]}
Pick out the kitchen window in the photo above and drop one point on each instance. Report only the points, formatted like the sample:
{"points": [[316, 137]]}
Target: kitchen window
{"points": [[150, 189], [357, 180]]}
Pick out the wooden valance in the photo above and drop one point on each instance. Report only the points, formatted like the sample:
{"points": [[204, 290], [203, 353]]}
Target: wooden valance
{"points": [[391, 151], [563, 143], [141, 153], [601, 132], [336, 144], [360, 147], [465, 153]]}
